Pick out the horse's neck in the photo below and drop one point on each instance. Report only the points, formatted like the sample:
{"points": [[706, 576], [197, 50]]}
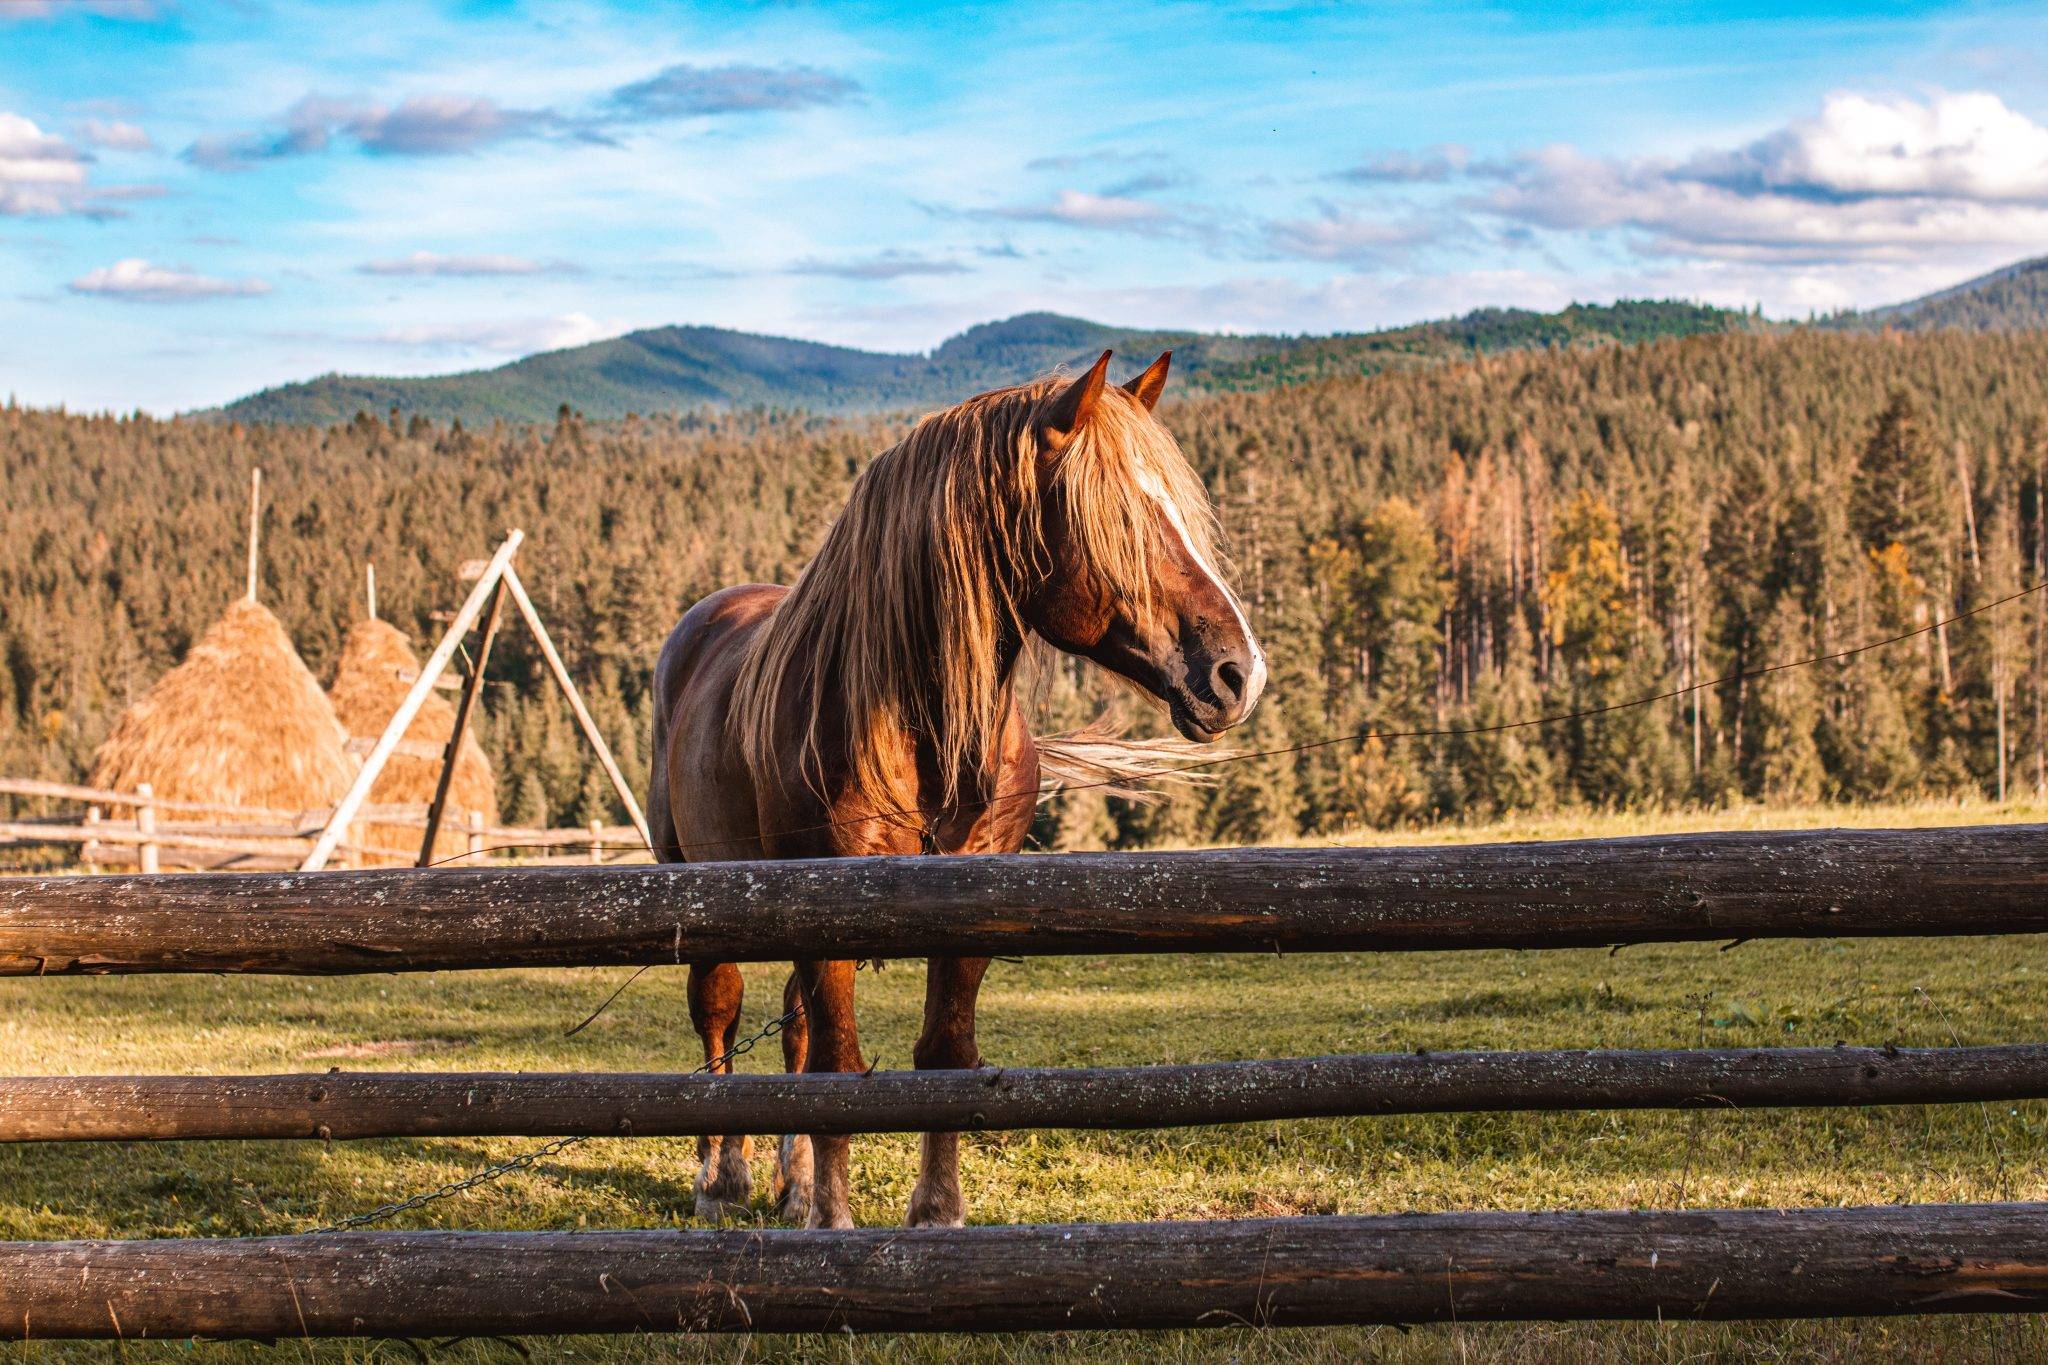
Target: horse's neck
{"points": [[921, 778], [988, 767]]}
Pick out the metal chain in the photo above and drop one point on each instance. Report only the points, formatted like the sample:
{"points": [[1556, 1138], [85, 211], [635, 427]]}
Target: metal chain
{"points": [[545, 1150]]}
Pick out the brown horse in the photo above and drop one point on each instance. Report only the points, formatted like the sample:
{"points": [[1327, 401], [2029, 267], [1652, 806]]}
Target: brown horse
{"points": [[869, 709]]}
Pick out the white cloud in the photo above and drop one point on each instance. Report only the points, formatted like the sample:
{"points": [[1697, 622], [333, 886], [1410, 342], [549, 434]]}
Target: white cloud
{"points": [[114, 135], [1341, 235], [1434, 166], [1870, 180], [106, 9], [519, 336], [424, 125], [685, 91], [883, 265], [1079, 208], [138, 280], [39, 174], [446, 124], [1966, 146], [440, 125], [432, 263], [1340, 303]]}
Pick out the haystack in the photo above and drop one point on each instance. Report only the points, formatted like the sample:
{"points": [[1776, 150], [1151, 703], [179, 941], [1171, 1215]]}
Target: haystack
{"points": [[377, 669], [241, 722]]}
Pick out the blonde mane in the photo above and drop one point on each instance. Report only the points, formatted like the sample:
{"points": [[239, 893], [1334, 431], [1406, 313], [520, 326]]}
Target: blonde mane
{"points": [[896, 627]]}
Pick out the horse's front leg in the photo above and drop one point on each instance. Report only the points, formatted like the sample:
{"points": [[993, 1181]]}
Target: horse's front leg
{"points": [[834, 1045], [724, 1183], [951, 985], [793, 1157]]}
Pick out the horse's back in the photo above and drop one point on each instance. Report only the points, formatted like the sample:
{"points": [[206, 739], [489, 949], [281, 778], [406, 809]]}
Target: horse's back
{"points": [[700, 800]]}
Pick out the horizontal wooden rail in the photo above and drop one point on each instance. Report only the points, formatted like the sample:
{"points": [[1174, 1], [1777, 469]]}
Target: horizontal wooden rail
{"points": [[1464, 1267], [1677, 888], [102, 796], [167, 836], [496, 1104], [264, 821]]}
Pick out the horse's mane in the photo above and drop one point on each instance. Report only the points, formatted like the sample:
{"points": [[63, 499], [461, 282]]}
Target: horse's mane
{"points": [[896, 625]]}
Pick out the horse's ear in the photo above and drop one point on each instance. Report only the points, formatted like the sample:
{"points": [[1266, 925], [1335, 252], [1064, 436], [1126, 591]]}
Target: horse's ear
{"points": [[1067, 411], [1147, 387]]}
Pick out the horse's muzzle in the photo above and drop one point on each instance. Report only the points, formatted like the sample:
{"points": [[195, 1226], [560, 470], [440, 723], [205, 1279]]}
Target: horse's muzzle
{"points": [[1222, 685]]}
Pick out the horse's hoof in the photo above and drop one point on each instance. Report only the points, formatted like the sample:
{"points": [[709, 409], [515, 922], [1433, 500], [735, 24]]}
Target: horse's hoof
{"points": [[914, 1219], [712, 1209], [927, 1211], [820, 1218], [793, 1206], [724, 1195]]}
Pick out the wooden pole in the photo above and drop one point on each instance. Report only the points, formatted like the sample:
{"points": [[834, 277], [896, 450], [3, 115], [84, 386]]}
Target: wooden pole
{"points": [[145, 825], [568, 685], [476, 833], [547, 1104], [1582, 893], [472, 688], [370, 587], [255, 527], [1256, 1272], [415, 697]]}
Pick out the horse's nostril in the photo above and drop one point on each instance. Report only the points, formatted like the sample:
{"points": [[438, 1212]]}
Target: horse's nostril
{"points": [[1229, 681]]}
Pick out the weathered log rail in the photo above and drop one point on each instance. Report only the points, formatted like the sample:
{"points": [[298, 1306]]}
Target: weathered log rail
{"points": [[1415, 1268], [1807, 884], [345, 1105], [1381, 1269]]}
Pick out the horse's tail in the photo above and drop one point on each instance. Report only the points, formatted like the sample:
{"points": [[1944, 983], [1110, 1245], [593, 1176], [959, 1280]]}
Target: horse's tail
{"points": [[1098, 757]]}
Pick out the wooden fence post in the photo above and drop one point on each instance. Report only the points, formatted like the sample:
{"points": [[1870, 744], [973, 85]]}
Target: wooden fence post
{"points": [[596, 842], [476, 833], [145, 824], [92, 817]]}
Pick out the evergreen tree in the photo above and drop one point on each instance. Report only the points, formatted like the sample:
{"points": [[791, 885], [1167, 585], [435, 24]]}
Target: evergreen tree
{"points": [[1257, 800], [1490, 771], [596, 802], [1899, 491], [528, 807], [1868, 744], [1083, 823], [1788, 714]]}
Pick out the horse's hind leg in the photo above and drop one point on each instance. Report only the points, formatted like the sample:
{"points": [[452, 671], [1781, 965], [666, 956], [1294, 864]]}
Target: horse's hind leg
{"points": [[950, 987], [793, 1160], [834, 1045], [724, 1183]]}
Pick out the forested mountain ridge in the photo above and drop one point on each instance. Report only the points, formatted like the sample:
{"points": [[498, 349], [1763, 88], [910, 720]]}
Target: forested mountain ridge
{"points": [[2012, 299], [1441, 546], [673, 369]]}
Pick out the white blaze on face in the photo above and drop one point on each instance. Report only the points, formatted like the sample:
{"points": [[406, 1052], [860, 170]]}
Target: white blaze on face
{"points": [[1156, 490]]}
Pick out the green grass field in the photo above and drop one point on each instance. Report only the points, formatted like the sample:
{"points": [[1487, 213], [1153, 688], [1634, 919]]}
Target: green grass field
{"points": [[1088, 1011]]}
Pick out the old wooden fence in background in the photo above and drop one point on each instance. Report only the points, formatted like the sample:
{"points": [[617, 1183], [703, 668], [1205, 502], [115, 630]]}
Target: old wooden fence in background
{"points": [[157, 833]]}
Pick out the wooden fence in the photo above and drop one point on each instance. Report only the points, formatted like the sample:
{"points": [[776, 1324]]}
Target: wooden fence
{"points": [[1405, 1268], [159, 833]]}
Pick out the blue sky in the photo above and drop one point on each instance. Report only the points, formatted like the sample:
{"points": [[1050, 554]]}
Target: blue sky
{"points": [[202, 197]]}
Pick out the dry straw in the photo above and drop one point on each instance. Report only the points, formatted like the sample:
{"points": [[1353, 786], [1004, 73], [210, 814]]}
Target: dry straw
{"points": [[241, 721], [377, 668]]}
